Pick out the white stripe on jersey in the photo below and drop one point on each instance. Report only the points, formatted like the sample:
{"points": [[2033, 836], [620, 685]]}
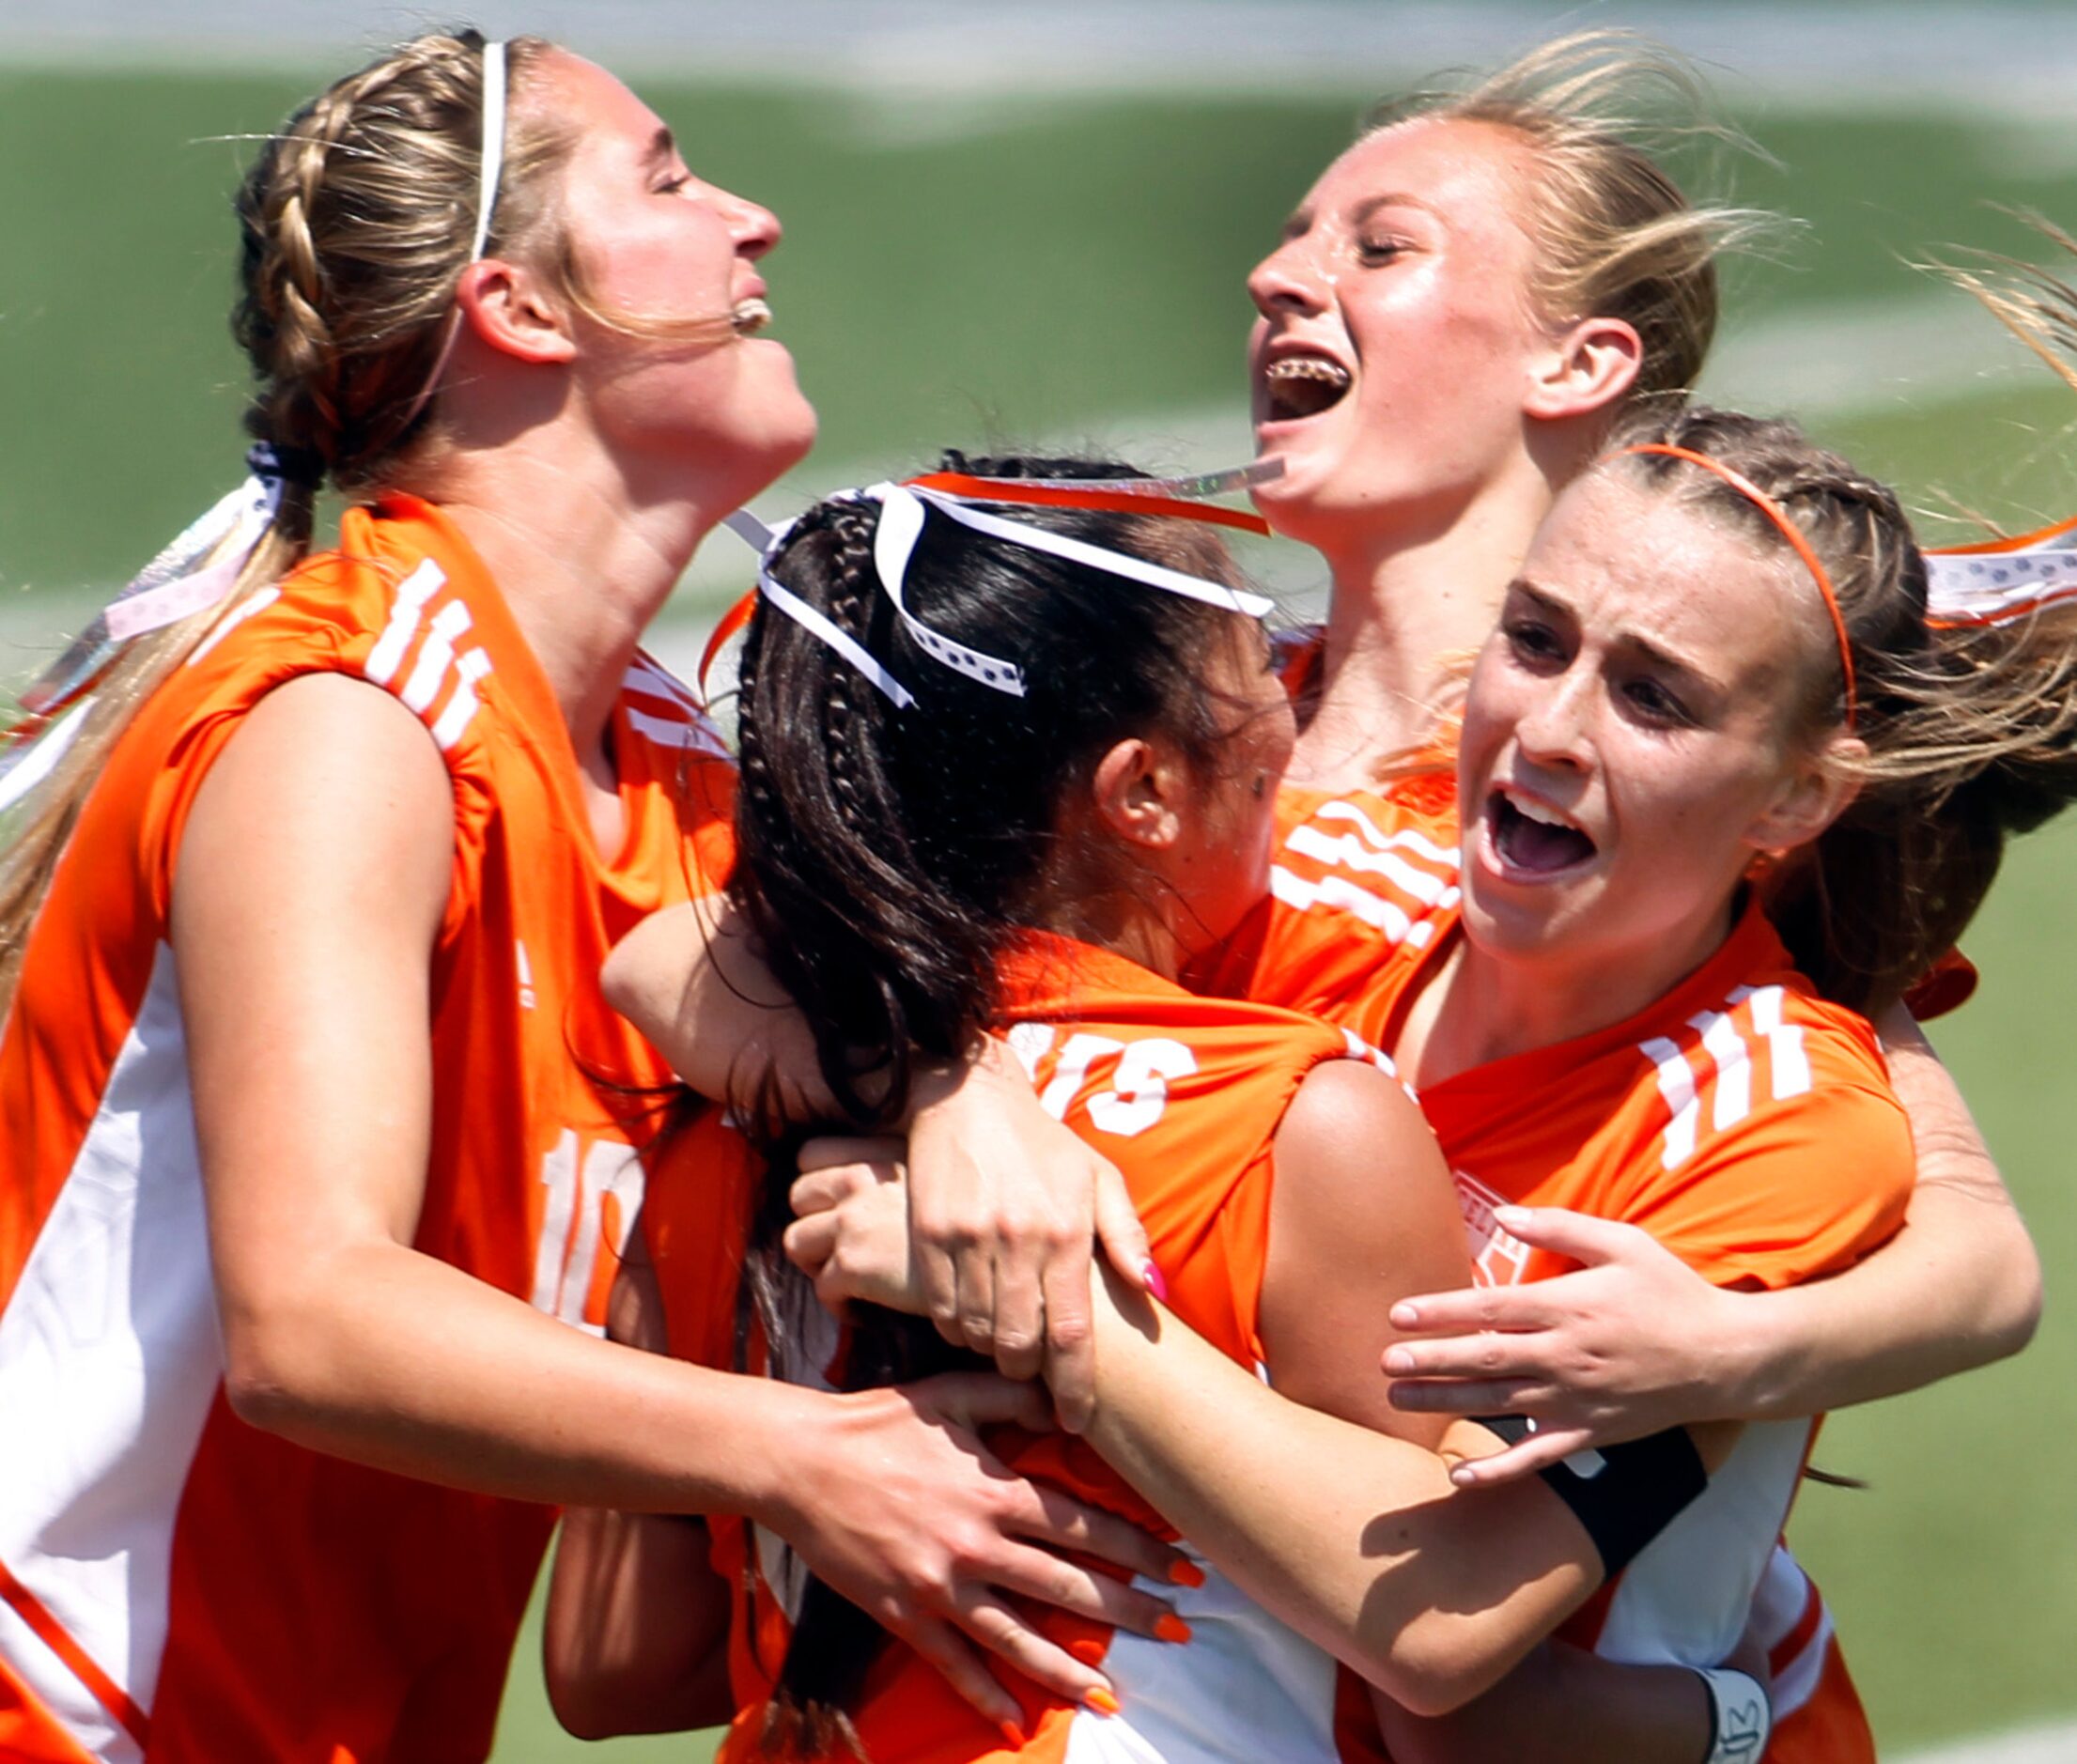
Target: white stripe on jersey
{"points": [[1677, 1086], [1347, 851], [696, 734], [1407, 838], [1337, 892], [1784, 1594], [107, 1370], [230, 622], [413, 595], [645, 674], [461, 708], [436, 654]]}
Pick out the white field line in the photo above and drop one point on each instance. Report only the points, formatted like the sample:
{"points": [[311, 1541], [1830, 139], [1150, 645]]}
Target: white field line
{"points": [[2029, 1746]]}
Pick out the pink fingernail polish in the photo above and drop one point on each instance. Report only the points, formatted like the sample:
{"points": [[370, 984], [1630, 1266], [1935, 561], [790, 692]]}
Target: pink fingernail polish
{"points": [[1150, 1276]]}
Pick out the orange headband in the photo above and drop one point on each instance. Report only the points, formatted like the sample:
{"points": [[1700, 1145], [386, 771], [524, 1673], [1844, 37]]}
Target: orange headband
{"points": [[1797, 543], [1096, 497]]}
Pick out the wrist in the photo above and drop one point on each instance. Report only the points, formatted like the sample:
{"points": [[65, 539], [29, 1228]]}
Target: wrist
{"points": [[789, 1452], [1762, 1358], [1741, 1715], [985, 1064]]}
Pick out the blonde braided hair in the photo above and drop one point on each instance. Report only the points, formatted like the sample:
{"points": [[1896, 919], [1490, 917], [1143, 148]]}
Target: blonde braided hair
{"points": [[356, 220]]}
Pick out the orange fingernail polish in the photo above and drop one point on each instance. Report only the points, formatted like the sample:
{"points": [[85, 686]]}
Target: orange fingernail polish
{"points": [[1172, 1629], [1103, 1702], [1185, 1572], [1014, 1734], [1090, 1653]]}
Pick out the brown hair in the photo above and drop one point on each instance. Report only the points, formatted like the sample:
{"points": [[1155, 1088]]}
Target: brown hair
{"points": [[1970, 736], [356, 219], [1615, 236]]}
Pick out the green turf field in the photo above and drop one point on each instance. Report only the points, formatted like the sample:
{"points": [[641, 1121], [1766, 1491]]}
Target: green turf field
{"points": [[965, 274]]}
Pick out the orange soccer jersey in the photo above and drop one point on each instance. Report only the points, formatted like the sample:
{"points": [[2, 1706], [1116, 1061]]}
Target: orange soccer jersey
{"points": [[172, 1582], [1745, 1123], [1186, 1096]]}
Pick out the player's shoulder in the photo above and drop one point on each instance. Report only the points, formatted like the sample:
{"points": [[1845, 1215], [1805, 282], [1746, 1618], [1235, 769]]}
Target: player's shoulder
{"points": [[1762, 1058]]}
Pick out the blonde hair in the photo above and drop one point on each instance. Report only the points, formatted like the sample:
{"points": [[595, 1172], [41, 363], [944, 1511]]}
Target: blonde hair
{"points": [[1970, 735], [1615, 237], [356, 220], [2036, 305]]}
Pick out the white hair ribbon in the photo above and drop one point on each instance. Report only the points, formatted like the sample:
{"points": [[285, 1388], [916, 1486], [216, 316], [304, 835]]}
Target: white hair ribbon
{"points": [[1214, 593], [1994, 586], [902, 510], [895, 537], [489, 169], [171, 587], [768, 540]]}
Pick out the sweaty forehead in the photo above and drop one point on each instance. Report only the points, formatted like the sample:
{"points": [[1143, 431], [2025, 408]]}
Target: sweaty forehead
{"points": [[1470, 175], [583, 96], [1632, 561]]}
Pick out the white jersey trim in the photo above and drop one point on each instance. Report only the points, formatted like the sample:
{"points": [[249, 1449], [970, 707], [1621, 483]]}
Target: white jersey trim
{"points": [[107, 1370]]}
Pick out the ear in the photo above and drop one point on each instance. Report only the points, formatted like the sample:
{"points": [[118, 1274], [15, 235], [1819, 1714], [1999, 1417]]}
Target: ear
{"points": [[1809, 801], [508, 307], [1589, 368], [1136, 793]]}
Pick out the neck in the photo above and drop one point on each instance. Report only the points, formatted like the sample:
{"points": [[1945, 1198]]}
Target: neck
{"points": [[585, 559], [1478, 1007], [1408, 611]]}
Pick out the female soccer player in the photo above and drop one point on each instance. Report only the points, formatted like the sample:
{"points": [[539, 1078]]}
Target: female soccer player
{"points": [[1011, 774], [318, 1137], [1596, 1011], [1461, 309]]}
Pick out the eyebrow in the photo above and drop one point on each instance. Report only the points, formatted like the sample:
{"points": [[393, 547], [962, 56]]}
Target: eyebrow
{"points": [[662, 147], [1394, 199], [1659, 657], [1300, 219]]}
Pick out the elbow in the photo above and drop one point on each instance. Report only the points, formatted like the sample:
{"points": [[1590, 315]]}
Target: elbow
{"points": [[2018, 1311], [269, 1373], [621, 978], [1439, 1662], [584, 1702]]}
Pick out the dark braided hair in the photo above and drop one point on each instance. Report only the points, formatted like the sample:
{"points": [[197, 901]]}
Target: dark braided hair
{"points": [[888, 858]]}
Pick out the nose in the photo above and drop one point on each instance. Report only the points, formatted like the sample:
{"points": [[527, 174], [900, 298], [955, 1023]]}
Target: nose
{"points": [[1552, 727], [1287, 281], [755, 228]]}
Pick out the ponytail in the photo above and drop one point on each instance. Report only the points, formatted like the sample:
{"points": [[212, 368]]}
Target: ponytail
{"points": [[78, 710]]}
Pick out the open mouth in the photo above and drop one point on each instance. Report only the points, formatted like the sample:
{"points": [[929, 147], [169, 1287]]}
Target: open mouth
{"points": [[1300, 386], [750, 316], [1532, 839]]}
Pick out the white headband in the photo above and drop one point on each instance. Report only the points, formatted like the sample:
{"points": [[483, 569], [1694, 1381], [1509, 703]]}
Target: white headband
{"points": [[903, 508], [489, 168]]}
